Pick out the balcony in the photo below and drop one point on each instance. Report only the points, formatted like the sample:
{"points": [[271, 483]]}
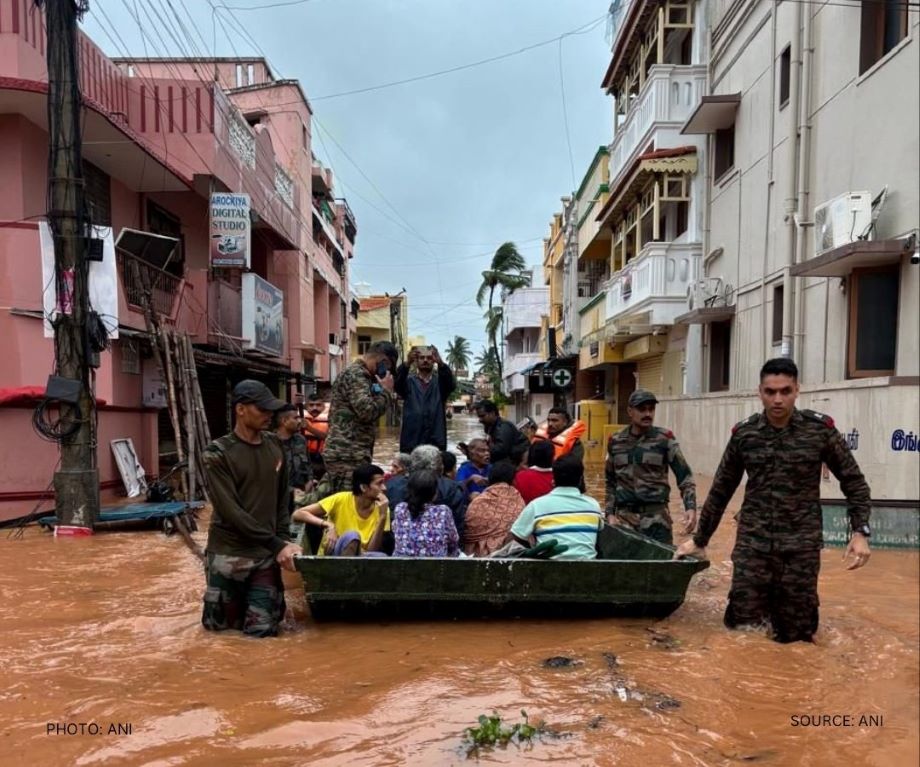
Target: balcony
{"points": [[225, 315], [524, 308], [666, 100], [652, 288], [515, 380], [141, 279]]}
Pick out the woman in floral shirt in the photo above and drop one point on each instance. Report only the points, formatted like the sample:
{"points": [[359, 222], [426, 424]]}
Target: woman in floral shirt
{"points": [[420, 528]]}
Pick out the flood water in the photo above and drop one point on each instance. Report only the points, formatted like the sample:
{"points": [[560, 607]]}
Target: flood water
{"points": [[105, 631]]}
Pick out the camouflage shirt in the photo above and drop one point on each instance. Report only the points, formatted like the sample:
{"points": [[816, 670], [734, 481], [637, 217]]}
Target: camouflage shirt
{"points": [[298, 461], [353, 416], [782, 507], [637, 469]]}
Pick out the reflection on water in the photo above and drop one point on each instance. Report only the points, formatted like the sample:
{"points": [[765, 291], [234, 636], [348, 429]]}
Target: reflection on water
{"points": [[105, 630]]}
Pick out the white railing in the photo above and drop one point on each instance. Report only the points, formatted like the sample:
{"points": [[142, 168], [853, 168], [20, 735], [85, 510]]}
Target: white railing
{"points": [[284, 186], [242, 141], [669, 95], [656, 282]]}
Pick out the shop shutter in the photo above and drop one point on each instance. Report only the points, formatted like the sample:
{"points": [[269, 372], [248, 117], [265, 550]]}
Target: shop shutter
{"points": [[650, 373]]}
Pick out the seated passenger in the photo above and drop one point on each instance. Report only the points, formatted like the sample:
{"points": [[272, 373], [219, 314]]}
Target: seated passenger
{"points": [[564, 514], [398, 466], [473, 475], [422, 528], [428, 458], [492, 512], [363, 510], [449, 460], [537, 479]]}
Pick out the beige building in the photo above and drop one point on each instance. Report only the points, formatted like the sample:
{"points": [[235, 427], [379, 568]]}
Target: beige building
{"points": [[810, 228], [381, 318]]}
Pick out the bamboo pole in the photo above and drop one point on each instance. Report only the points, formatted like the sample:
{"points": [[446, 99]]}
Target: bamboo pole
{"points": [[201, 422], [190, 431], [171, 402]]}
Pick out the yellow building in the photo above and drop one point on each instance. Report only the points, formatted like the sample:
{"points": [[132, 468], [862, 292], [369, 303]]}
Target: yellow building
{"points": [[382, 318]]}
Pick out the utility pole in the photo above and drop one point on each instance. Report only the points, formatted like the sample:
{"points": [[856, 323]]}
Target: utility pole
{"points": [[76, 484]]}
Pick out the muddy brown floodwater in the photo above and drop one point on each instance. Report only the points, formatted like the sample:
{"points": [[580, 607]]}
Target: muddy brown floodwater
{"points": [[104, 631]]}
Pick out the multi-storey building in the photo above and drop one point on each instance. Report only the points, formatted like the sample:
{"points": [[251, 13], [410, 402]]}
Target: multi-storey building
{"points": [[522, 316], [811, 122], [160, 137]]}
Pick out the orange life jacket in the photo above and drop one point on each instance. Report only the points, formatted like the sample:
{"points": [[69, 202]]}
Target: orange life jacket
{"points": [[565, 440], [320, 423]]}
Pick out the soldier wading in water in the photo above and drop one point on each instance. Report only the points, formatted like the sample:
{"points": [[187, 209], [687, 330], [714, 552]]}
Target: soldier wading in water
{"points": [[777, 552]]}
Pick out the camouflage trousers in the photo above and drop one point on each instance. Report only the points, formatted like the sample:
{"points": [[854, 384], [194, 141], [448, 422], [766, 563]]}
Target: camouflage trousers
{"points": [[651, 520], [243, 594], [776, 590]]}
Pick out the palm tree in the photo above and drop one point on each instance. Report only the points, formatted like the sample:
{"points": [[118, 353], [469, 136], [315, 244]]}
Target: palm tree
{"points": [[505, 272], [485, 362], [459, 353]]}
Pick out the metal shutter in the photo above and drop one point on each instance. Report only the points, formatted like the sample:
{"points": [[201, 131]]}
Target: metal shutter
{"points": [[650, 373]]}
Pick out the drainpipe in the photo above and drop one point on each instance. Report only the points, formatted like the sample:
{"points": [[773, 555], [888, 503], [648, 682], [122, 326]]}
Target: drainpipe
{"points": [[803, 190], [789, 203], [769, 207]]}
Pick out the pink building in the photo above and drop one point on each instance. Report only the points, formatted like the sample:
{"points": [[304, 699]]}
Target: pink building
{"points": [[160, 136]]}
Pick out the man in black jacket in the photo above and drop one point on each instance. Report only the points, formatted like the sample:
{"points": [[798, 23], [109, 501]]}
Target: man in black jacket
{"points": [[506, 442], [425, 398]]}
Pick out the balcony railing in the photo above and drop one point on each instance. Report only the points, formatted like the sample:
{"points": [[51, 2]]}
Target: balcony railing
{"points": [[668, 97], [141, 279], [655, 283]]}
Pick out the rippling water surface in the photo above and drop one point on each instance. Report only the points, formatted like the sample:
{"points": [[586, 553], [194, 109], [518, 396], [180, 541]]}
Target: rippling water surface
{"points": [[104, 631]]}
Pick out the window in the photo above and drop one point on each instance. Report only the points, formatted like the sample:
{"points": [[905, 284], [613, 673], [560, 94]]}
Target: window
{"points": [[785, 63], [873, 322], [725, 151], [97, 194], [239, 75], [161, 221], [683, 218], [364, 344], [250, 75], [720, 337], [778, 314], [882, 27]]}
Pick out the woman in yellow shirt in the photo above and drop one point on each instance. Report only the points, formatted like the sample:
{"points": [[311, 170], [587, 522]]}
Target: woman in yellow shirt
{"points": [[364, 510]]}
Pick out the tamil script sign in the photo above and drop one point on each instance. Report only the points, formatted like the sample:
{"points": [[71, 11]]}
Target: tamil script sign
{"points": [[263, 319], [230, 230]]}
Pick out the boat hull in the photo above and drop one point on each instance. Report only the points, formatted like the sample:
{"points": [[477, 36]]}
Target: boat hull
{"points": [[634, 576]]}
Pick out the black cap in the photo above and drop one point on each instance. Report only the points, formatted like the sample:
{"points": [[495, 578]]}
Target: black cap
{"points": [[640, 396], [251, 392]]}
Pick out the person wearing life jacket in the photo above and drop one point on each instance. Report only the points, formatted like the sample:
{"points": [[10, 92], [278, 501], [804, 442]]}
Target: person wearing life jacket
{"points": [[564, 433], [316, 426]]}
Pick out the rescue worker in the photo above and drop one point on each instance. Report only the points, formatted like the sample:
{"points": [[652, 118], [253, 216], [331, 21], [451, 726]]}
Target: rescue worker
{"points": [[638, 458], [360, 395], [777, 552], [248, 537], [564, 433], [316, 425]]}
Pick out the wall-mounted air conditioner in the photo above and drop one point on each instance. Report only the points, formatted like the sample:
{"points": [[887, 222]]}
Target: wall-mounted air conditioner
{"points": [[844, 219]]}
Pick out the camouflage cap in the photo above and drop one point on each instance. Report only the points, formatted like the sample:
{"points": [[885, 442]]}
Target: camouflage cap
{"points": [[256, 393], [641, 396]]}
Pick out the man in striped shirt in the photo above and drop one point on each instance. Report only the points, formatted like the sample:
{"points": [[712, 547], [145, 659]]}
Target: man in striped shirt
{"points": [[564, 514]]}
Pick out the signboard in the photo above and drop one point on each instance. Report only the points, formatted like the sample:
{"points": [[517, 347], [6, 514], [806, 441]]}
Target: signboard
{"points": [[230, 230], [263, 319], [103, 282], [562, 377], [154, 385]]}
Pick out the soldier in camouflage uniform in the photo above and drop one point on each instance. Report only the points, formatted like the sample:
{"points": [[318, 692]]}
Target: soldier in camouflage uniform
{"points": [[777, 552], [294, 444], [360, 395], [248, 537], [637, 473]]}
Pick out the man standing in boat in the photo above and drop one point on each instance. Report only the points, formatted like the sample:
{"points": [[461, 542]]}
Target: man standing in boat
{"points": [[638, 459], [425, 396], [248, 538], [777, 552], [360, 395]]}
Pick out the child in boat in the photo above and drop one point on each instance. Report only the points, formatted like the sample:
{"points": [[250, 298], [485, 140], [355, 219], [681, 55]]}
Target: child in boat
{"points": [[422, 528]]}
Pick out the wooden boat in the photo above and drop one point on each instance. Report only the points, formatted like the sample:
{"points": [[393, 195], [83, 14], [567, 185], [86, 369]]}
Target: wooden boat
{"points": [[632, 576]]}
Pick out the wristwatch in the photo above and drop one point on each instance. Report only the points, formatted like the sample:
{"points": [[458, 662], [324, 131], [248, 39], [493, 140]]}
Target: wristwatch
{"points": [[863, 530]]}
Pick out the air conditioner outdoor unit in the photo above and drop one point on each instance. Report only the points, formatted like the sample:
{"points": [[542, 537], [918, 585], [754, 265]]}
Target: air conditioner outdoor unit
{"points": [[844, 219]]}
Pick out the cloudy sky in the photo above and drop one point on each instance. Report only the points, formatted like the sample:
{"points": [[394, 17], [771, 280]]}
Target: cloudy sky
{"points": [[439, 172]]}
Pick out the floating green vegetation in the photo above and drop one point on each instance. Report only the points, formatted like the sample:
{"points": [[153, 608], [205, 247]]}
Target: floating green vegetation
{"points": [[493, 731]]}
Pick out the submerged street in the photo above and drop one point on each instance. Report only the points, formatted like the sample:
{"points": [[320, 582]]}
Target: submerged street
{"points": [[105, 630]]}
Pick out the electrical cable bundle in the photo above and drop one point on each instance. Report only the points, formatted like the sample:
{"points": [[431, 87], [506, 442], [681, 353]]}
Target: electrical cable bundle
{"points": [[54, 430]]}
